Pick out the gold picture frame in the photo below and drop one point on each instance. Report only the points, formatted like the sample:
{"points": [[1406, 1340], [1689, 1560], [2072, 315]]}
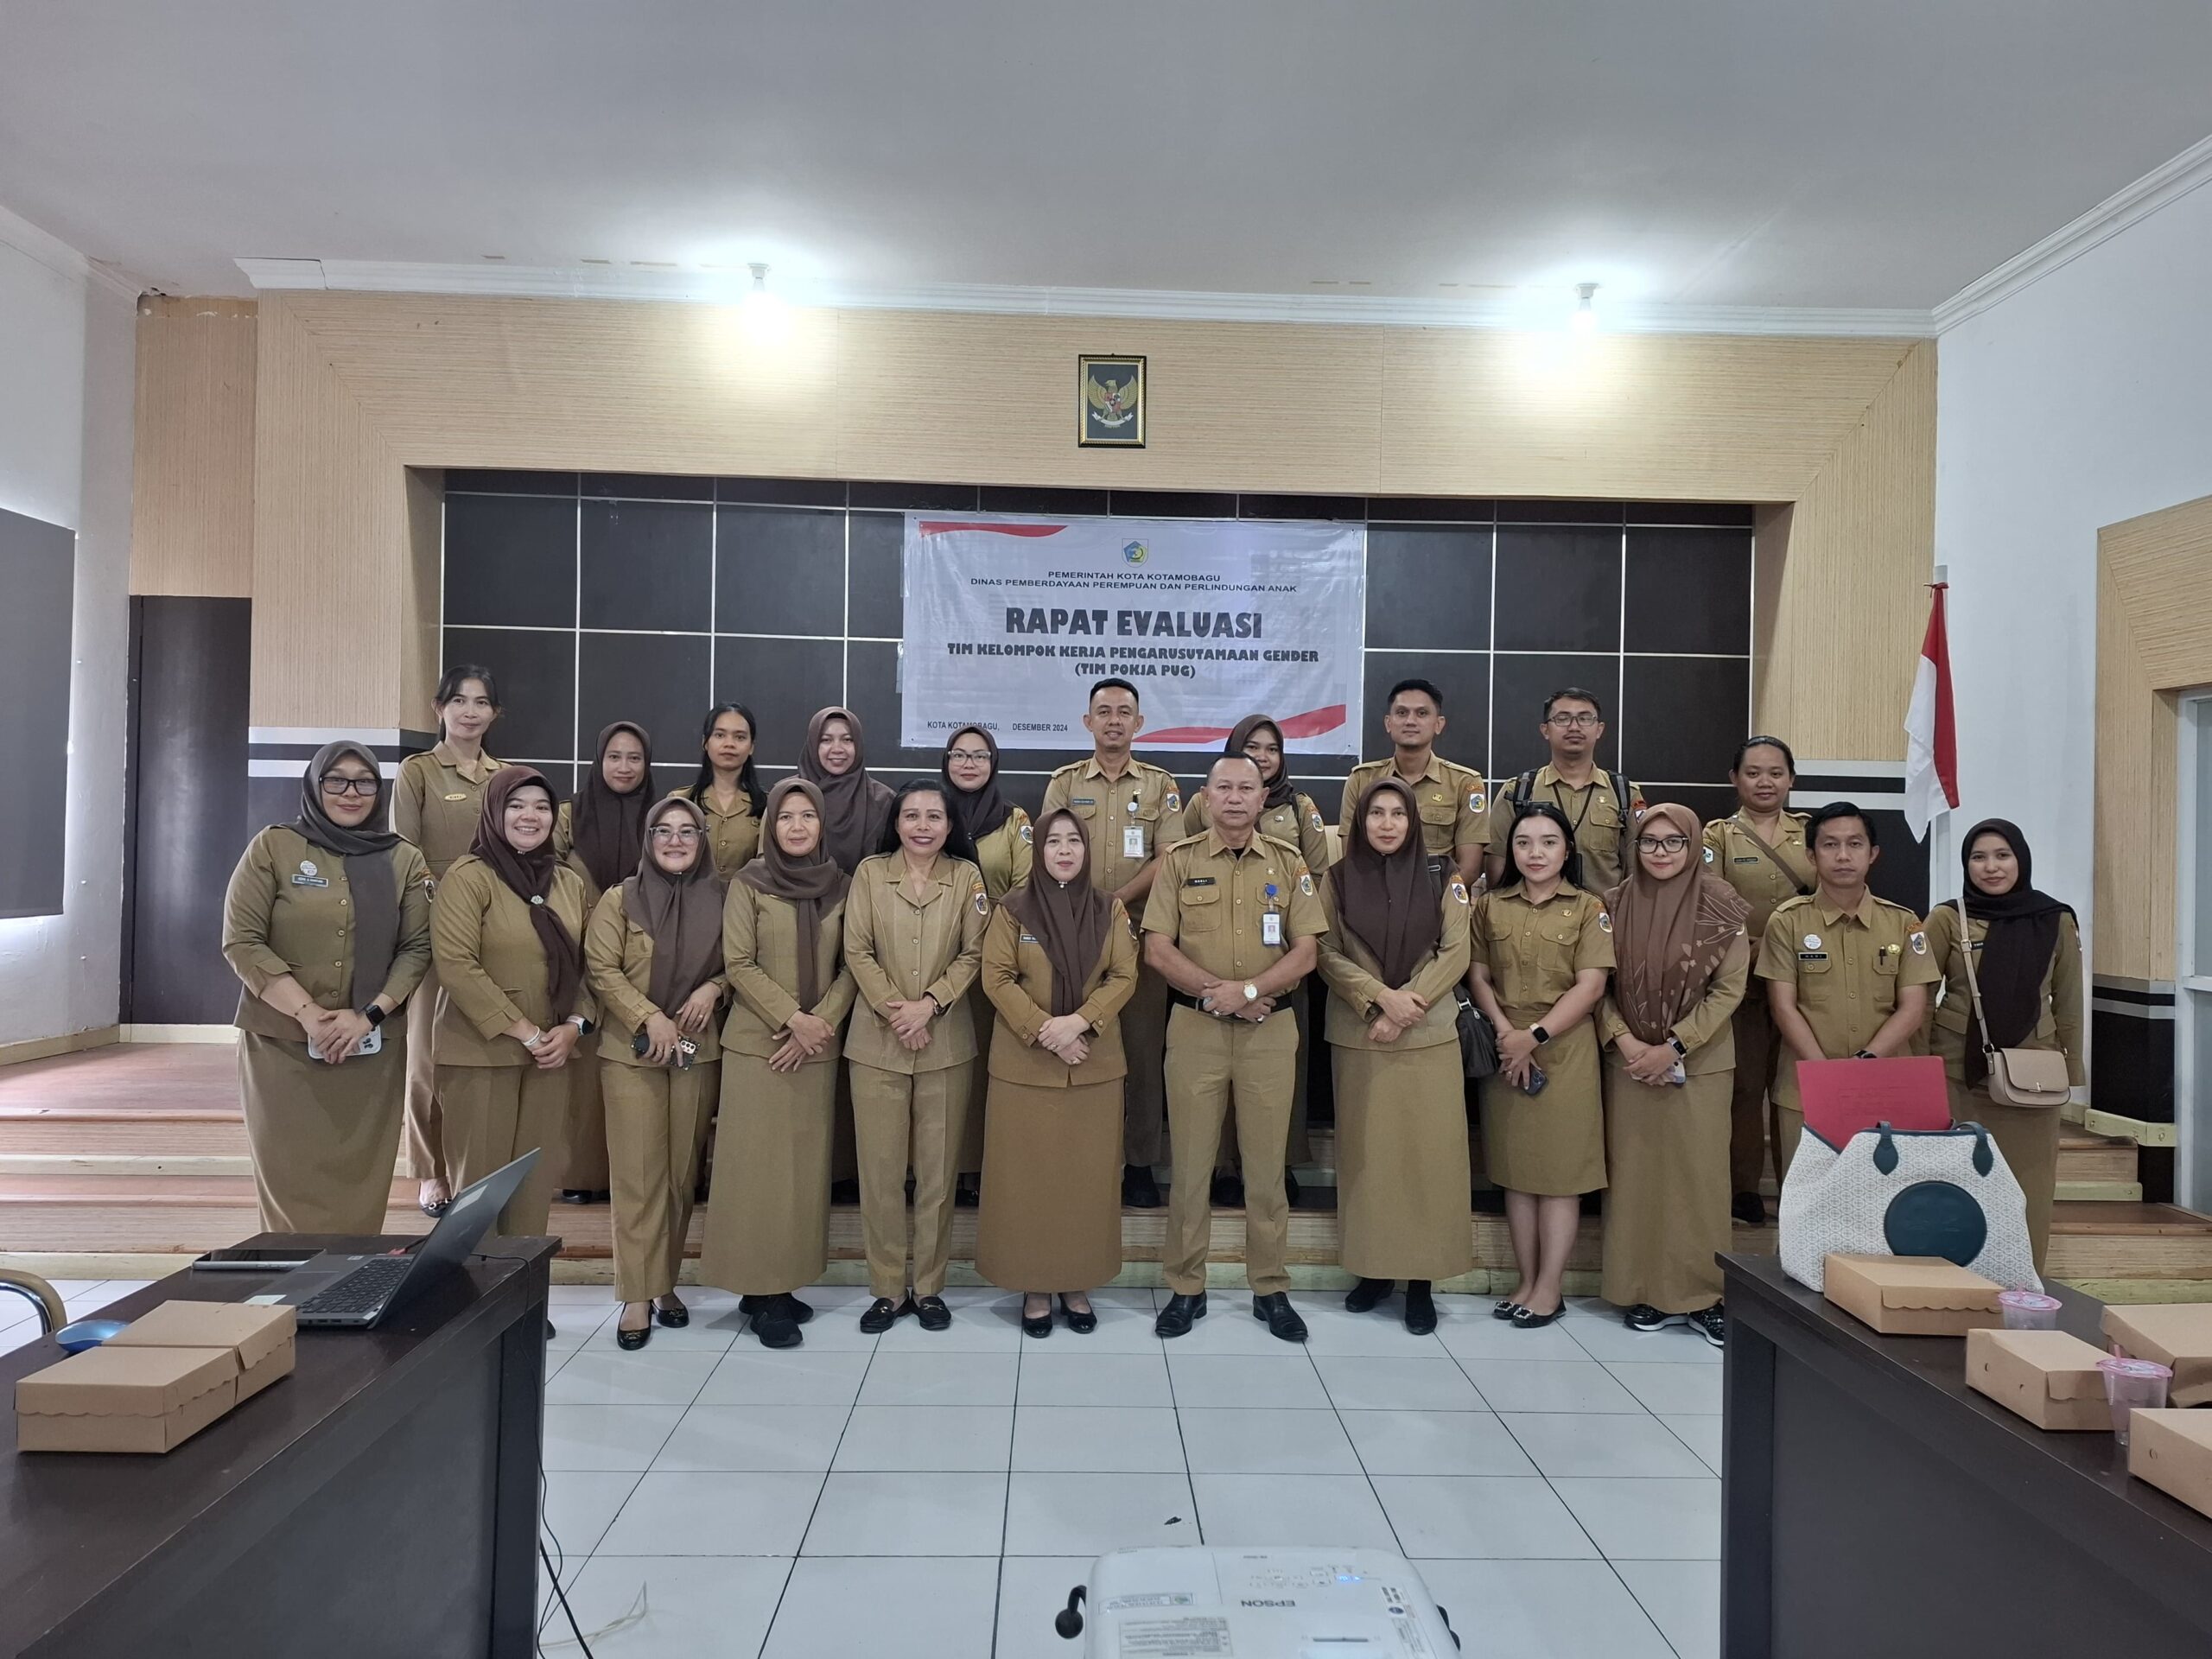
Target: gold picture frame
{"points": [[1110, 403]]}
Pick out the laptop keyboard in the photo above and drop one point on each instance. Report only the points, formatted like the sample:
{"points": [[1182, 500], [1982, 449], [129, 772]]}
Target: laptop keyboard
{"points": [[359, 1291]]}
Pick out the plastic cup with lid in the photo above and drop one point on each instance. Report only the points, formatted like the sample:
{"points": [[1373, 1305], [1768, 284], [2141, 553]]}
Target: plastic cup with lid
{"points": [[2029, 1310], [2132, 1385]]}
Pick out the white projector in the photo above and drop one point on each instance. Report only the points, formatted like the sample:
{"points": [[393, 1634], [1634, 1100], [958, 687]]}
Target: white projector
{"points": [[1256, 1604]]}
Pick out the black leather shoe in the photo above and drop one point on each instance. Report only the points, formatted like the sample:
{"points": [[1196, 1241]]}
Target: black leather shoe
{"points": [[1420, 1308], [777, 1329], [1504, 1310], [1083, 1323], [1175, 1318], [800, 1312], [630, 1341], [933, 1312], [574, 1195], [966, 1194], [1748, 1209], [1362, 1296], [1139, 1190], [882, 1313], [1227, 1192], [845, 1191], [1039, 1325], [674, 1318], [1279, 1316], [549, 1331], [1524, 1321]]}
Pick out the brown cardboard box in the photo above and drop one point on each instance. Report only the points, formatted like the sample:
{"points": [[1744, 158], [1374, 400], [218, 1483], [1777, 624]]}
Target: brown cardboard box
{"points": [[262, 1337], [2172, 1450], [2178, 1334], [2050, 1377], [1912, 1295], [110, 1399]]}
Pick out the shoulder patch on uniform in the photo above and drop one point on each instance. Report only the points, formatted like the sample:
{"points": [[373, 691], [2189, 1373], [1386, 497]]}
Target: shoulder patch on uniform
{"points": [[1474, 800], [1023, 829], [1306, 880], [1459, 890], [1919, 943], [1316, 819], [1708, 856], [1174, 801], [1604, 921], [982, 900]]}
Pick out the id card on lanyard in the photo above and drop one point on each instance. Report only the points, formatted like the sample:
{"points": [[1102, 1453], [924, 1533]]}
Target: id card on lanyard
{"points": [[1133, 835], [1271, 919]]}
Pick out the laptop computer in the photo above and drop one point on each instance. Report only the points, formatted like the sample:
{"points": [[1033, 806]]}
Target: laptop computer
{"points": [[341, 1292]]}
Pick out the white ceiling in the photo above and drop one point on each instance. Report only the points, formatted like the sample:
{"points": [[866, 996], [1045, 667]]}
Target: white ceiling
{"points": [[1696, 153]]}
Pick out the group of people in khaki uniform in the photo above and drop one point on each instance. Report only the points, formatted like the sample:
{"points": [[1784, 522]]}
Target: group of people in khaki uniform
{"points": [[1052, 1005]]}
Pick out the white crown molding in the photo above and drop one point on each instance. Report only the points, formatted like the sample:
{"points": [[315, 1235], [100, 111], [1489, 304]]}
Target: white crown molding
{"points": [[2126, 206], [63, 260], [718, 287]]}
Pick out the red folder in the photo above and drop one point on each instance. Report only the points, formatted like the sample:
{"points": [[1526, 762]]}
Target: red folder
{"points": [[1841, 1098]]}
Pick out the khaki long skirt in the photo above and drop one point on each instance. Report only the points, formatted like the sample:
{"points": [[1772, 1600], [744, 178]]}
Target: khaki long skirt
{"points": [[1401, 1163], [1052, 1214], [985, 1019], [1551, 1144], [1666, 1207], [323, 1136], [768, 1217], [2028, 1136], [494, 1113], [585, 1169]]}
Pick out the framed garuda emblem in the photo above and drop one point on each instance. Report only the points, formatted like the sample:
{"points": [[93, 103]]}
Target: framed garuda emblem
{"points": [[1109, 402]]}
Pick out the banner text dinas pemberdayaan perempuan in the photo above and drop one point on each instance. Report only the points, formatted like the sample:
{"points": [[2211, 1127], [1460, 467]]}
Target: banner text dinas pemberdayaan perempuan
{"points": [[1149, 624]]}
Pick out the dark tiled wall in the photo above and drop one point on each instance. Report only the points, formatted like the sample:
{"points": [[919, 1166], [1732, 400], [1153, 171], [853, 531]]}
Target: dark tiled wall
{"points": [[599, 597]]}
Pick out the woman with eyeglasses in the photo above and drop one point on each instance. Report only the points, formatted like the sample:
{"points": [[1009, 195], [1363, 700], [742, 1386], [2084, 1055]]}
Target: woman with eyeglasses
{"points": [[654, 949], [1759, 851], [1542, 949], [327, 924], [436, 802], [1001, 833], [597, 835], [1681, 962], [507, 933], [728, 788]]}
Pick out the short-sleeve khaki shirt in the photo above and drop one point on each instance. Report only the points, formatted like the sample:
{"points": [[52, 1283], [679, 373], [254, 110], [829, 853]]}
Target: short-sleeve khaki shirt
{"points": [[1534, 951], [1298, 825], [1453, 801], [1601, 836], [1731, 855], [1847, 966], [1144, 797], [1213, 901]]}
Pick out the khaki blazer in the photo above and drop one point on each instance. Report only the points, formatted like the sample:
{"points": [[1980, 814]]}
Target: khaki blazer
{"points": [[492, 964], [760, 959], [289, 909], [1018, 978], [1353, 977], [619, 961], [899, 950]]}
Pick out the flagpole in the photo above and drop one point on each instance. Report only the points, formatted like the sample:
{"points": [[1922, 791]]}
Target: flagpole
{"points": [[1942, 879]]}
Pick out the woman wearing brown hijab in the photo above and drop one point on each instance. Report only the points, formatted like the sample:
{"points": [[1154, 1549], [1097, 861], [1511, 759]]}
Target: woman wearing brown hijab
{"points": [[1004, 844], [1396, 946], [327, 924], [655, 954], [597, 836], [855, 807], [784, 952], [507, 935], [1681, 963], [1058, 962]]}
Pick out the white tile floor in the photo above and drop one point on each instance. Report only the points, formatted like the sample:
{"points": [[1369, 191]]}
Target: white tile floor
{"points": [[929, 1495]]}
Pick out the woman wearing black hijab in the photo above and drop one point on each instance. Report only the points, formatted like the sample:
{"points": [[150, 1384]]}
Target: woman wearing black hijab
{"points": [[327, 924], [1004, 841], [2027, 956], [507, 935]]}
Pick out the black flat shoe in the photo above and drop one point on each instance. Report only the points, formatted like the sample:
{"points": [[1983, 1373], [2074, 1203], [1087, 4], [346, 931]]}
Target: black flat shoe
{"points": [[630, 1341], [1362, 1296], [1279, 1316], [777, 1329], [933, 1312], [1420, 1308], [674, 1318], [1083, 1323], [1140, 1190], [967, 1195], [1038, 1324], [845, 1191], [1175, 1318], [1524, 1321], [1747, 1210], [882, 1313], [433, 1209], [1505, 1310], [1227, 1192], [549, 1331], [574, 1195]]}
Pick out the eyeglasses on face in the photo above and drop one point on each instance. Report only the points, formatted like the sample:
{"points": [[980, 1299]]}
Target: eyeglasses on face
{"points": [[676, 832], [975, 757], [1662, 843], [1578, 718], [334, 785]]}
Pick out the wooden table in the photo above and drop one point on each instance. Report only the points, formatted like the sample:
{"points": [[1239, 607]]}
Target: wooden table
{"points": [[381, 1500], [1873, 1504]]}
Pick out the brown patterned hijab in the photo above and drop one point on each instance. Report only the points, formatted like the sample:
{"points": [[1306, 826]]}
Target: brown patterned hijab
{"points": [[1669, 937]]}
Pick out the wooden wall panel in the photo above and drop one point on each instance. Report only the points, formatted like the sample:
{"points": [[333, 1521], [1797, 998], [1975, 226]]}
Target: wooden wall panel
{"points": [[192, 477]]}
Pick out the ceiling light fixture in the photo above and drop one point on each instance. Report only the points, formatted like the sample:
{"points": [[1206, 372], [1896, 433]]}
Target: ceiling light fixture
{"points": [[758, 302], [1583, 320]]}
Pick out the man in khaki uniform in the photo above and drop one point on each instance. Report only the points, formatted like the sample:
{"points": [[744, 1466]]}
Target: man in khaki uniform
{"points": [[1848, 973], [1602, 806], [1129, 809], [1231, 925], [1454, 806]]}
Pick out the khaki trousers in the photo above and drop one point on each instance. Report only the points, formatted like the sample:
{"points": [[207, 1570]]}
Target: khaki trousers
{"points": [[656, 1127], [902, 1122], [1752, 1117], [584, 1170], [1144, 1092], [1299, 1147], [494, 1113], [1211, 1065], [423, 1148]]}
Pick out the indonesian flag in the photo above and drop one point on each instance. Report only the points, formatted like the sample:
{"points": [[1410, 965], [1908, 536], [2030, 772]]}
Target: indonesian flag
{"points": [[1932, 757]]}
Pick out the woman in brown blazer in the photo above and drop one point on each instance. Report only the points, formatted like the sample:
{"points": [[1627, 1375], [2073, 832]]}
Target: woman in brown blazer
{"points": [[783, 951], [507, 933], [327, 924], [1396, 945], [655, 955], [914, 939], [436, 802], [1058, 962]]}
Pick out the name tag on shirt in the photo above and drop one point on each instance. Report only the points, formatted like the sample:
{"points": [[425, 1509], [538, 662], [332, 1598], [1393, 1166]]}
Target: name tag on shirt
{"points": [[310, 880], [1271, 928], [1133, 840]]}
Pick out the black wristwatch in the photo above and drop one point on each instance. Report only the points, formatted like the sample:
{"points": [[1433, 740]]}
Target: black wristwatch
{"points": [[1865, 1054], [1675, 1043], [374, 1015], [1540, 1034], [583, 1024]]}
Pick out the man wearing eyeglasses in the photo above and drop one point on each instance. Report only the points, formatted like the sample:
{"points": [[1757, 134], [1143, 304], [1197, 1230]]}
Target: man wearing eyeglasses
{"points": [[1602, 806]]}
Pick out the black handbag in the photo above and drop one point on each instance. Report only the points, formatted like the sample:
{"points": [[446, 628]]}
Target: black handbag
{"points": [[1477, 1041]]}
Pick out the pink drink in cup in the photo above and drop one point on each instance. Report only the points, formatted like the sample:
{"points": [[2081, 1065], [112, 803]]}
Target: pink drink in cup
{"points": [[2132, 1385], [2029, 1310]]}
